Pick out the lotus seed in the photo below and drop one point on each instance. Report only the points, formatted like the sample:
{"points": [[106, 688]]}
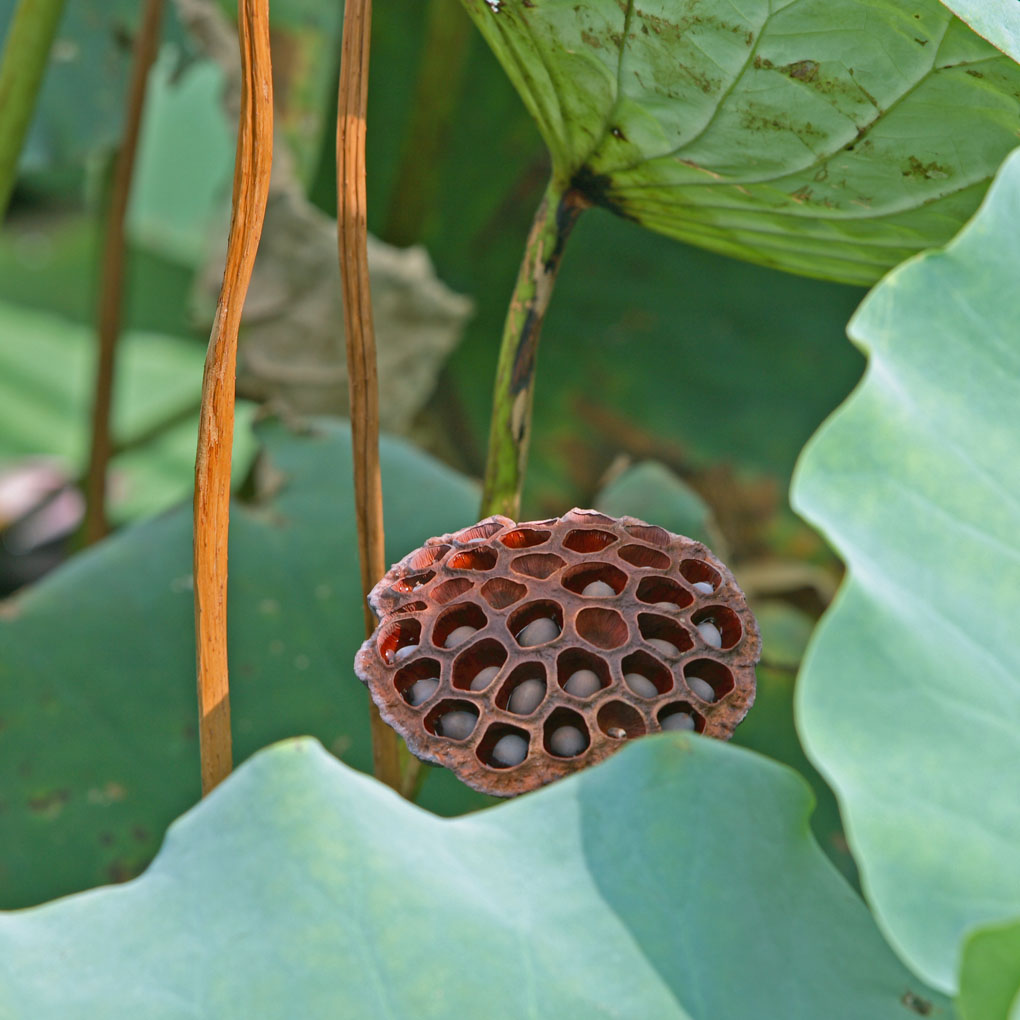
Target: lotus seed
{"points": [[701, 688], [566, 741], [678, 721], [665, 605], [457, 724], [404, 653], [526, 697], [421, 690], [710, 634], [704, 587], [641, 685], [538, 632], [617, 732], [484, 677], [511, 749], [666, 647], [582, 683], [598, 588], [459, 636]]}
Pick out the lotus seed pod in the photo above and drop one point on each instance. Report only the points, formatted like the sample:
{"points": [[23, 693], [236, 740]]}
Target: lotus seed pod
{"points": [[538, 632], [526, 697], [484, 677], [510, 750], [583, 683], [710, 634], [515, 654], [422, 690], [641, 685], [678, 721], [666, 647], [702, 689], [567, 741], [460, 635], [456, 725]]}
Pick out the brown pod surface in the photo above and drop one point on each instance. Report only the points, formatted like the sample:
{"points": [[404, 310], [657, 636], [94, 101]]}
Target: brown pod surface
{"points": [[515, 654]]}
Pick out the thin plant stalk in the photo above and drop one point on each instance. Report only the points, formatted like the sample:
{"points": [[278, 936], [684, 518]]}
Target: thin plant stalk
{"points": [[111, 292], [352, 237], [216, 421], [22, 66], [444, 50], [510, 430]]}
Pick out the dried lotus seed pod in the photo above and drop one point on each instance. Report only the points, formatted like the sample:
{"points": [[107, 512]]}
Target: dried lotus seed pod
{"points": [[515, 654]]}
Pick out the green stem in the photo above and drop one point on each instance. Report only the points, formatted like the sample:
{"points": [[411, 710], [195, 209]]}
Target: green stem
{"points": [[515, 373], [22, 66], [448, 33]]}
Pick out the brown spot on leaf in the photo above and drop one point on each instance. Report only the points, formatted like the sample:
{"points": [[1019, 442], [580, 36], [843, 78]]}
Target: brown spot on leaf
{"points": [[919, 171], [802, 70], [49, 805], [920, 1006]]}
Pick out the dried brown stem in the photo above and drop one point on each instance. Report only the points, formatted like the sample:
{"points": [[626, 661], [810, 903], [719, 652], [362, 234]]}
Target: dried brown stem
{"points": [[352, 234], [111, 293], [216, 423]]}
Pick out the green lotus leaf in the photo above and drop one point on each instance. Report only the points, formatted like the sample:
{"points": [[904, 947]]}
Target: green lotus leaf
{"points": [[990, 975], [997, 20]]}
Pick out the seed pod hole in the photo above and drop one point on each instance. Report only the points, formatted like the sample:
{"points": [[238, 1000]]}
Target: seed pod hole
{"points": [[656, 590], [427, 555], [536, 623], [524, 538], [524, 689], [399, 640], [458, 624], [449, 590], [413, 582], [410, 607], [422, 671], [616, 717], [581, 673], [473, 559], [588, 540], [481, 656], [452, 719], [654, 672], [565, 734], [649, 533], [699, 572], [713, 675], [604, 628], [643, 556], [501, 592], [479, 532], [665, 635], [581, 578], [503, 746], [539, 565], [723, 620], [681, 716]]}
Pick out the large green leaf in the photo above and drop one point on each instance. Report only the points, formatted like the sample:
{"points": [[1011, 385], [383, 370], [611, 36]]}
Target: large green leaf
{"points": [[990, 974], [910, 694], [819, 136], [675, 880], [97, 693], [997, 20]]}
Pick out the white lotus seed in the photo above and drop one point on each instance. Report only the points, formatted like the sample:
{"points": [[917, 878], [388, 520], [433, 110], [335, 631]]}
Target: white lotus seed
{"points": [[641, 685], [598, 588], [566, 741], [710, 634], [582, 683], [538, 632], [457, 724], [511, 749], [665, 605], [484, 677], [616, 732], [678, 721], [701, 688], [526, 697], [666, 647], [704, 587], [421, 690], [459, 636], [404, 653]]}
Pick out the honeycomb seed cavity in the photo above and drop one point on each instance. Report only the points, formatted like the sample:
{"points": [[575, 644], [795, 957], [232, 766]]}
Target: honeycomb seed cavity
{"points": [[517, 653]]}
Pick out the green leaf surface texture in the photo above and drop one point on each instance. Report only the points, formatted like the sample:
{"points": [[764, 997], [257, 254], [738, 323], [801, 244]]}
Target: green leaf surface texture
{"points": [[909, 698], [832, 138], [990, 975], [998, 21], [98, 717], [675, 880]]}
